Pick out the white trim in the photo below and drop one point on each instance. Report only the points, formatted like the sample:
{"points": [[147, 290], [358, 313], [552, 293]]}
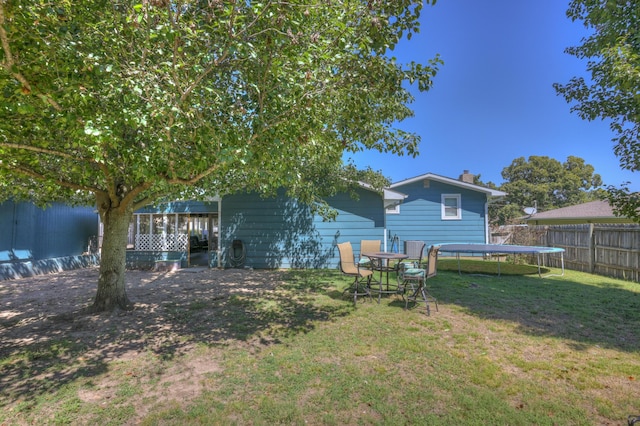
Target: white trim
{"points": [[443, 206], [487, 232], [450, 181], [393, 209]]}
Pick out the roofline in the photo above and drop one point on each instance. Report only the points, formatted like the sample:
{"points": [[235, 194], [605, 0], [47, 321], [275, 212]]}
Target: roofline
{"points": [[390, 194], [450, 181], [387, 194], [577, 220], [601, 213]]}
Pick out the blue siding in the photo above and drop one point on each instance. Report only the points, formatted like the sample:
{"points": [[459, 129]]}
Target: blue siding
{"points": [[54, 232], [17, 226], [15, 270], [420, 215], [280, 232]]}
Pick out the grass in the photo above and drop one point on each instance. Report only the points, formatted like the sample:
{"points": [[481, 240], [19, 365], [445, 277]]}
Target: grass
{"points": [[514, 349]]}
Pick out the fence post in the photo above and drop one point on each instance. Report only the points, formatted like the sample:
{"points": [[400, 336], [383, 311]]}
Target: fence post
{"points": [[592, 250]]}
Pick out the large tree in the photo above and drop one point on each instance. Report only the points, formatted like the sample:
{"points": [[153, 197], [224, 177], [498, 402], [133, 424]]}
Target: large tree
{"points": [[612, 51], [126, 103], [545, 183]]}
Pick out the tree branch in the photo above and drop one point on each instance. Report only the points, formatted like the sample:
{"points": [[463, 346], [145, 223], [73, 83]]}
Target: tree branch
{"points": [[192, 180], [45, 151], [39, 176], [9, 64], [129, 199]]}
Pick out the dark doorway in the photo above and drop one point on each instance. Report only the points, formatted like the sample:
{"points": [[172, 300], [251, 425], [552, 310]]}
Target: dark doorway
{"points": [[203, 238]]}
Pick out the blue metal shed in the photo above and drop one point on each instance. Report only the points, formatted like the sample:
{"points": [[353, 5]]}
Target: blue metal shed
{"points": [[56, 231], [36, 241]]}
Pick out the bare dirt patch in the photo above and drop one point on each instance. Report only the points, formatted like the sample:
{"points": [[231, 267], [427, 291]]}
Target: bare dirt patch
{"points": [[46, 342]]}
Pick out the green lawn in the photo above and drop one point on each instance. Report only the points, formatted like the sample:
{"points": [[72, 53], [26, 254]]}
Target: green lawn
{"points": [[515, 349]]}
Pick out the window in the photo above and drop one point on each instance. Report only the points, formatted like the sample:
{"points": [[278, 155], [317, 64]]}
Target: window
{"points": [[451, 207], [394, 209]]}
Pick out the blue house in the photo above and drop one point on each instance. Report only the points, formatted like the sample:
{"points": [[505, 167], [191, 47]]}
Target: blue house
{"points": [[246, 230], [282, 233], [439, 209]]}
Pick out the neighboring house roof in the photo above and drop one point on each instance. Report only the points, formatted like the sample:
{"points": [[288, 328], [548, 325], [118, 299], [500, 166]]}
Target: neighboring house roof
{"points": [[450, 181], [591, 212]]}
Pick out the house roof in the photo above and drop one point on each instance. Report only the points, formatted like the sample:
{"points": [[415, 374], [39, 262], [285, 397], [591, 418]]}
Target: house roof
{"points": [[390, 196], [450, 181], [591, 212]]}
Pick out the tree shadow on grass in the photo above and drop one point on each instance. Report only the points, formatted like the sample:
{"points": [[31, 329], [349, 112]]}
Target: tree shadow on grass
{"points": [[45, 343], [603, 311]]}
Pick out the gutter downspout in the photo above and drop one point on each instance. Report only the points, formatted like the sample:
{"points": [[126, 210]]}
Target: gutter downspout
{"points": [[487, 234], [384, 227], [219, 252]]}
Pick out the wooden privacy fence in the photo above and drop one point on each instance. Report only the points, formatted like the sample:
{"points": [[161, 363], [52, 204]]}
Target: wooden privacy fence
{"points": [[611, 250]]}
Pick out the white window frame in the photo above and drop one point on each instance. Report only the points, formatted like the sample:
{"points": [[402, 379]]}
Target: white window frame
{"points": [[393, 209], [443, 206]]}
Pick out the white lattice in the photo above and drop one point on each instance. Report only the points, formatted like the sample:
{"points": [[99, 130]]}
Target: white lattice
{"points": [[158, 242], [143, 242], [177, 242], [161, 242]]}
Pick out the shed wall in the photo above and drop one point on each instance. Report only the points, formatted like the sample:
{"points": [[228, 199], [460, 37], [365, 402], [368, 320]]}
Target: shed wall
{"points": [[54, 232]]}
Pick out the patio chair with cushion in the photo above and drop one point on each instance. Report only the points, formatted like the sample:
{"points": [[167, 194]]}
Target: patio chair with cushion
{"points": [[412, 279], [368, 246], [348, 266], [414, 251]]}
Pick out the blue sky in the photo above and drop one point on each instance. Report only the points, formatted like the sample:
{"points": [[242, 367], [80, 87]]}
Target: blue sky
{"points": [[493, 99]]}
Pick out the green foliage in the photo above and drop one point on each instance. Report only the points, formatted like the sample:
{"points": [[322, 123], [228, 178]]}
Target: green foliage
{"points": [[613, 53], [624, 202], [545, 183], [140, 100], [134, 102]]}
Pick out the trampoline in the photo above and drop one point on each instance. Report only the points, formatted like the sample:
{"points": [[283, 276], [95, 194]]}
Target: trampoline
{"points": [[498, 249]]}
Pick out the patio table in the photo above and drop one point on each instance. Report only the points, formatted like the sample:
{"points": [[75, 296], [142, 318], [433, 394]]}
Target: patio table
{"points": [[380, 261]]}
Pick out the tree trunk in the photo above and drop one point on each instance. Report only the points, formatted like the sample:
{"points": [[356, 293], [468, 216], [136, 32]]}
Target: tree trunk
{"points": [[111, 292]]}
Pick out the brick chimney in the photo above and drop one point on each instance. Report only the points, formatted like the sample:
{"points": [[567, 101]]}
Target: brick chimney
{"points": [[467, 177]]}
